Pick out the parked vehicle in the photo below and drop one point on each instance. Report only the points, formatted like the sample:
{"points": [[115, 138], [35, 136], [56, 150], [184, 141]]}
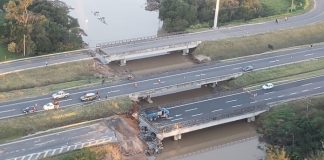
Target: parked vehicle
{"points": [[60, 95], [88, 97], [30, 109], [247, 68], [267, 86], [153, 115], [52, 105]]}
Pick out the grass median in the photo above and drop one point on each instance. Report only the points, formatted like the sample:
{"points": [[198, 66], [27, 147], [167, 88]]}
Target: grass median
{"points": [[44, 80], [292, 71], [251, 45], [29, 124]]}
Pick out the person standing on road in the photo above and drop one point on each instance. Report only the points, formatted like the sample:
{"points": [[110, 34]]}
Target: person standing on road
{"points": [[277, 21], [46, 64], [286, 18]]}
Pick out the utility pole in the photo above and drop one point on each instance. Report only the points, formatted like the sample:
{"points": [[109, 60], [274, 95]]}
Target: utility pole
{"points": [[24, 45], [292, 5], [216, 14]]}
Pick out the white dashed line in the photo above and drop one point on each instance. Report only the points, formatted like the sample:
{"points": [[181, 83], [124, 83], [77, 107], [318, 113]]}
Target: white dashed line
{"points": [[176, 119], [178, 115], [281, 96], [307, 84], [274, 61], [317, 88], [113, 91], [253, 102], [8, 111], [306, 90], [268, 92], [292, 93], [196, 115], [191, 109], [231, 101], [308, 54], [237, 106], [217, 110], [267, 99]]}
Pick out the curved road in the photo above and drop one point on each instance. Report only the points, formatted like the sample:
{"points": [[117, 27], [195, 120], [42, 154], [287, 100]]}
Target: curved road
{"points": [[314, 16], [124, 88]]}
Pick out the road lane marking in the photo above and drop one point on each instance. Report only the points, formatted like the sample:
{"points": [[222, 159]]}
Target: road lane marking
{"points": [[206, 100], [317, 88], [310, 54], [39, 144], [268, 92], [307, 84], [274, 61], [281, 96], [197, 115], [8, 111], [176, 119], [231, 101], [65, 100], [267, 99], [236, 68], [292, 93], [46, 153], [178, 115], [253, 102], [237, 106], [115, 91], [217, 110], [188, 110], [306, 90]]}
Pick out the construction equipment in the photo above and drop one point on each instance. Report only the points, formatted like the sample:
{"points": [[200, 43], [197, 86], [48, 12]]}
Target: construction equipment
{"points": [[154, 114]]}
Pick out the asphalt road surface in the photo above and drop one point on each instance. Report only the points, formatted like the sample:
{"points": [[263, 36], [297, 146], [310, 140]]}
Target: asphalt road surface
{"points": [[59, 142], [217, 105], [314, 16], [56, 143], [124, 88]]}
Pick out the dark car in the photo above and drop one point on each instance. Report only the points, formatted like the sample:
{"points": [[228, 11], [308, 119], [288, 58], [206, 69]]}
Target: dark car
{"points": [[88, 97], [247, 68], [30, 109]]}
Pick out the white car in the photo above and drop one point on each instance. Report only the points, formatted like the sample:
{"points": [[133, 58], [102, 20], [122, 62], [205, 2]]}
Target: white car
{"points": [[49, 106], [267, 86], [60, 95]]}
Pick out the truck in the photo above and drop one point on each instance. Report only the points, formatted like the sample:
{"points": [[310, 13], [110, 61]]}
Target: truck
{"points": [[153, 115]]}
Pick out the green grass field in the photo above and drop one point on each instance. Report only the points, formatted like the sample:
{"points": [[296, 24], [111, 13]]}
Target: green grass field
{"points": [[289, 72], [24, 125], [250, 45], [44, 80]]}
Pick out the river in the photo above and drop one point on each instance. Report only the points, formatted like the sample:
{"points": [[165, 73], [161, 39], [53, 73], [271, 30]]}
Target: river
{"points": [[124, 19]]}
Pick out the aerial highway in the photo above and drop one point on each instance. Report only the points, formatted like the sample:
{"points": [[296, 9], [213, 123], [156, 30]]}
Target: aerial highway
{"points": [[59, 142], [314, 16], [38, 147], [124, 88], [280, 93]]}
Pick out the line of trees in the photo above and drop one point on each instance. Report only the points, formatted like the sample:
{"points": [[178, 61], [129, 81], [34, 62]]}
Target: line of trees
{"points": [[299, 130], [178, 15], [34, 27]]}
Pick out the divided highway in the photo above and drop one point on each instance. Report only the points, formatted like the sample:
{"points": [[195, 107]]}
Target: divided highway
{"points": [[203, 108], [55, 143], [314, 16], [124, 88]]}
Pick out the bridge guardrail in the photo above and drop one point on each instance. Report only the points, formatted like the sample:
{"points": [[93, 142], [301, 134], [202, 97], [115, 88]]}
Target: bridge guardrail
{"points": [[139, 39], [210, 117], [154, 49]]}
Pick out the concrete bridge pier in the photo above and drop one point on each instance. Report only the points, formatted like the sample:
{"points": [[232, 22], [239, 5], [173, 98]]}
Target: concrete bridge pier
{"points": [[185, 51], [123, 62], [251, 119], [177, 137]]}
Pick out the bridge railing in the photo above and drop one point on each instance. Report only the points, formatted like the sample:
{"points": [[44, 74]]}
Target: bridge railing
{"points": [[139, 39], [196, 43], [210, 117]]}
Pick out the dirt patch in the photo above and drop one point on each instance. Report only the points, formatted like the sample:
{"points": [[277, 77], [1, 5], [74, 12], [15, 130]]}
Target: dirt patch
{"points": [[154, 65], [127, 131]]}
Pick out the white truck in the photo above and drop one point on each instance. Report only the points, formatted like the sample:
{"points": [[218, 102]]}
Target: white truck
{"points": [[60, 95]]}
